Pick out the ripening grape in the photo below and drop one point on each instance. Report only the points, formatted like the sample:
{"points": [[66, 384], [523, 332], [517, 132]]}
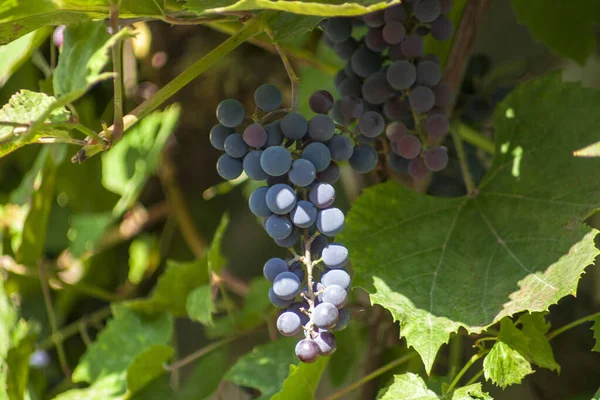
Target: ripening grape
{"points": [[395, 131], [267, 97], [322, 195], [417, 169], [428, 73], [302, 173], [218, 134], [307, 350], [436, 158], [375, 89], [341, 148], [421, 98], [374, 40], [235, 146], [427, 10], [442, 28], [274, 267], [321, 102], [255, 135], [318, 154], [409, 146], [276, 160], [228, 167], [396, 109], [330, 221], [252, 168], [325, 315], [364, 158], [335, 256], [336, 277], [401, 75], [288, 323], [437, 125], [371, 124], [281, 198], [294, 126], [230, 113], [395, 13], [365, 62], [304, 214], [412, 46], [321, 128], [350, 107], [278, 226], [394, 32]]}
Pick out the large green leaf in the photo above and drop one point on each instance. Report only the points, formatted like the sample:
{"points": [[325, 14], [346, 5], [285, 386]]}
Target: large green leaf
{"points": [[520, 244], [535, 327], [23, 345], [18, 18], [505, 366], [205, 377], [302, 381], [411, 386], [147, 366], [576, 38], [24, 108], [14, 54], [286, 25]]}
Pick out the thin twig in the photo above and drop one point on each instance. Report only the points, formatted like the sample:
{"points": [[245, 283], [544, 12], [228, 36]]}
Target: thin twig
{"points": [[199, 353], [73, 328], [60, 350], [196, 21], [294, 80], [472, 360], [475, 378], [462, 159], [117, 131], [571, 325], [475, 138]]}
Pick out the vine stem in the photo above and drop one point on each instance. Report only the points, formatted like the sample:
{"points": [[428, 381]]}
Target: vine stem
{"points": [[117, 48], [475, 378], [475, 138], [571, 325], [464, 369], [73, 328], [380, 371], [250, 29], [462, 159], [294, 80], [199, 353]]}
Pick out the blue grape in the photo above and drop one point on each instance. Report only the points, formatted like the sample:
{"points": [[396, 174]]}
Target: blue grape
{"points": [[278, 226], [274, 134], [341, 148], [296, 308], [394, 32], [330, 221], [286, 285], [288, 323], [276, 160], [294, 126], [412, 46], [317, 246], [325, 315], [421, 98], [274, 267], [255, 135], [334, 294], [336, 277], [307, 350], [365, 62], [395, 131], [442, 28], [235, 146], [322, 195], [252, 166], [401, 75], [267, 97], [281, 198], [318, 154], [321, 128], [371, 124], [374, 40], [338, 29], [321, 101], [375, 90], [303, 173], [436, 158], [278, 301], [364, 158], [350, 107], [218, 134], [345, 49], [428, 73], [335, 256], [330, 175], [297, 268], [258, 202], [343, 320], [327, 342], [230, 113], [427, 10], [228, 167], [351, 86], [289, 241], [304, 214]]}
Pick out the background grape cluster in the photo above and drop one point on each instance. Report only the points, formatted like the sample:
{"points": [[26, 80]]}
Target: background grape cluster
{"points": [[388, 75]]}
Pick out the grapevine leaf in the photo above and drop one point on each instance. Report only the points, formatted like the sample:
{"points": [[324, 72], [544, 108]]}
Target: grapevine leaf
{"points": [[447, 263], [535, 327], [86, 230], [286, 25], [513, 337], [575, 39], [143, 256], [342, 363], [25, 107], [505, 366], [18, 18], [205, 377], [596, 330], [302, 381], [216, 261], [265, 368], [173, 287], [14, 54], [411, 386], [306, 7], [23, 345], [593, 150], [200, 305], [147, 366], [125, 337]]}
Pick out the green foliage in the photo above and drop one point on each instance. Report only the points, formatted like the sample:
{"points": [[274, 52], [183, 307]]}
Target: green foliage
{"points": [[205, 377], [147, 366], [302, 381], [430, 260], [596, 330], [216, 261], [143, 255], [411, 386], [199, 305], [535, 327], [505, 366], [17, 359], [14, 54], [86, 229], [576, 18]]}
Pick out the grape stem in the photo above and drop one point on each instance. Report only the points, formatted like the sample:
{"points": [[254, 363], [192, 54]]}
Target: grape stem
{"points": [[309, 280], [472, 360], [294, 80], [117, 131], [462, 159]]}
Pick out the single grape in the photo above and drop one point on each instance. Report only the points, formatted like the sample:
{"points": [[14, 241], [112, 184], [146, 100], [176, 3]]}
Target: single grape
{"points": [[326, 342], [364, 159], [443, 95], [375, 89], [235, 146], [437, 125], [395, 131], [374, 40], [409, 146], [267, 97], [321, 101], [371, 124], [321, 128], [341, 148], [334, 294], [278, 226], [330, 175], [401, 75], [339, 78], [398, 163], [427, 10], [421, 98], [255, 135], [325, 315], [274, 267], [286, 285], [318, 154], [394, 32], [412, 46], [338, 29], [230, 113], [343, 320], [278, 301], [336, 277], [345, 49], [436, 158], [350, 107], [281, 198], [374, 20], [303, 173], [365, 62], [442, 28], [307, 351], [294, 126], [322, 195], [350, 87], [417, 169], [428, 73], [258, 202], [395, 13], [252, 166], [228, 167], [335, 256], [276, 160], [330, 221], [218, 134], [290, 241], [304, 214], [396, 109], [274, 135], [288, 323]]}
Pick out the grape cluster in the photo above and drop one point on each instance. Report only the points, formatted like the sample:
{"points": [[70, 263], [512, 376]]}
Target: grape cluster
{"points": [[297, 159], [387, 74]]}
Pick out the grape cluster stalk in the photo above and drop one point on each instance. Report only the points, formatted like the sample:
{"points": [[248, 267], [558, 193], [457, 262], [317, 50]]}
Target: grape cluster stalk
{"points": [[388, 75]]}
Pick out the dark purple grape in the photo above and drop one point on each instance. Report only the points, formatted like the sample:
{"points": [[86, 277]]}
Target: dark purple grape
{"points": [[371, 124], [395, 13], [436, 158], [401, 75], [365, 62], [375, 89], [427, 10], [255, 135], [396, 109], [307, 351], [443, 95], [345, 49], [321, 128], [428, 73], [339, 78], [321, 102], [421, 98], [442, 28], [395, 131], [374, 20], [341, 148], [437, 125], [326, 342], [350, 107], [394, 32], [374, 40], [331, 174], [431, 57], [417, 169], [408, 146], [350, 87], [412, 46]]}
